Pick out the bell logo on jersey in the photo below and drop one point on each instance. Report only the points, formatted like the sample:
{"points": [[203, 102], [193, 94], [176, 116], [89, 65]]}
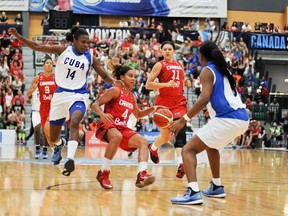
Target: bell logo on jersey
{"points": [[47, 97], [74, 63]]}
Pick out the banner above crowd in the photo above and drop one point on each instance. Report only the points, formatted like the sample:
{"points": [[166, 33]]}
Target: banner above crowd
{"points": [[15, 5], [257, 41], [171, 8]]}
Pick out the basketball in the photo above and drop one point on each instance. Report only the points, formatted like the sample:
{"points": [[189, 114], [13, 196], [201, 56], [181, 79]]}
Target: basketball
{"points": [[162, 117]]}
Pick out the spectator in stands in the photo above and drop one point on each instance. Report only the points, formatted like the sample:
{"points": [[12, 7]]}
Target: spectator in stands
{"points": [[285, 29], [248, 90], [5, 40], [174, 31], [246, 27], [19, 110], [45, 25], [161, 32], [152, 24], [254, 131], [3, 18], [248, 70], [250, 78], [141, 23], [194, 25], [248, 103], [19, 96], [123, 23], [93, 125], [4, 69], [236, 76], [277, 29], [16, 85], [234, 27], [263, 82], [269, 28], [18, 19], [131, 22], [275, 135], [273, 110], [224, 27]]}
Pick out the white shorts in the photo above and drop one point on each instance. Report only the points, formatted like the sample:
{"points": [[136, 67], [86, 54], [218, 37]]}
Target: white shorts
{"points": [[62, 101], [219, 132], [36, 119]]}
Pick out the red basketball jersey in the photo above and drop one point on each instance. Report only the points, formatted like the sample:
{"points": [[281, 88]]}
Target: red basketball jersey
{"points": [[47, 87], [171, 70], [173, 98], [121, 107]]}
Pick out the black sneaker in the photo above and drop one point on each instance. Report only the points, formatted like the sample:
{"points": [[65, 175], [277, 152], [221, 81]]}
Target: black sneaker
{"points": [[68, 167]]}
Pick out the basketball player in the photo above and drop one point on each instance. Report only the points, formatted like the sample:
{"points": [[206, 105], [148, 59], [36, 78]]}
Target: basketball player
{"points": [[45, 83], [71, 98], [120, 102], [36, 123], [229, 119], [171, 76]]}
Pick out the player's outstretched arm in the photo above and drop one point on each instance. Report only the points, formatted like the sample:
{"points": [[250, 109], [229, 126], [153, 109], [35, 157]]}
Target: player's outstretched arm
{"points": [[35, 46]]}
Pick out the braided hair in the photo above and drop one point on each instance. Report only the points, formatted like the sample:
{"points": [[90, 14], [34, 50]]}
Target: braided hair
{"points": [[212, 53]]}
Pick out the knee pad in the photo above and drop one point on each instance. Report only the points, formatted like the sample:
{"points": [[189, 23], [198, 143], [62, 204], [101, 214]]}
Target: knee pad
{"points": [[181, 138]]}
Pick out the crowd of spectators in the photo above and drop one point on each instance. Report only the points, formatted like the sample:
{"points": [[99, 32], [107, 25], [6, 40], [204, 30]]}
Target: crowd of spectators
{"points": [[12, 81], [140, 53]]}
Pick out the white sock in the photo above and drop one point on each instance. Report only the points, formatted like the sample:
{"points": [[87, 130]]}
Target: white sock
{"points": [[71, 148], [142, 166], [106, 164], [216, 181], [153, 147], [194, 186], [179, 160]]}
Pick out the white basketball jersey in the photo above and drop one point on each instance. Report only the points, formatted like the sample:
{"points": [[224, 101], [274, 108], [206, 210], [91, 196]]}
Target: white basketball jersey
{"points": [[35, 100], [72, 69]]}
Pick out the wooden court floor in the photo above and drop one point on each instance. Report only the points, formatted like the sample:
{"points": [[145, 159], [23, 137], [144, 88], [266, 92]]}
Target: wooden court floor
{"points": [[256, 183]]}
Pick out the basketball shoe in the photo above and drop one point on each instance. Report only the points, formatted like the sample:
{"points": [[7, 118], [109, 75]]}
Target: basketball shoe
{"points": [[180, 171], [191, 197], [103, 179], [144, 179], [37, 153], [56, 155], [45, 153], [153, 154], [68, 167], [214, 191]]}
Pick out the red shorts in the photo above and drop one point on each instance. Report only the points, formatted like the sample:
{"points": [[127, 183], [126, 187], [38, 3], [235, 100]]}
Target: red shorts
{"points": [[44, 113], [177, 104], [126, 132]]}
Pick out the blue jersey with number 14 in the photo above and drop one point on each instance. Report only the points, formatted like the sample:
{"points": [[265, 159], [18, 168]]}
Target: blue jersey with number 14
{"points": [[72, 70]]}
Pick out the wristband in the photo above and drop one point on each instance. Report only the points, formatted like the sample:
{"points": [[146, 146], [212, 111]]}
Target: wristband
{"points": [[187, 118]]}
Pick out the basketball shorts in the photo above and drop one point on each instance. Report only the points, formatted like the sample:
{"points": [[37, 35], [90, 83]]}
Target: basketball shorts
{"points": [[35, 118], [126, 132], [62, 101], [219, 132]]}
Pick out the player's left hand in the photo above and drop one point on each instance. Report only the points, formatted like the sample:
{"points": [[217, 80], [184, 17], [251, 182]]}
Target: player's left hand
{"points": [[177, 125]]}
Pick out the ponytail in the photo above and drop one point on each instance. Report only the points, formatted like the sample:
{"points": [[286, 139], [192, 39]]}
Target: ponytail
{"points": [[212, 53]]}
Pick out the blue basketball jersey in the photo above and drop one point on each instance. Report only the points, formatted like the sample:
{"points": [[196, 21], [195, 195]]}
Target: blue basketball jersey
{"points": [[71, 70], [223, 103]]}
